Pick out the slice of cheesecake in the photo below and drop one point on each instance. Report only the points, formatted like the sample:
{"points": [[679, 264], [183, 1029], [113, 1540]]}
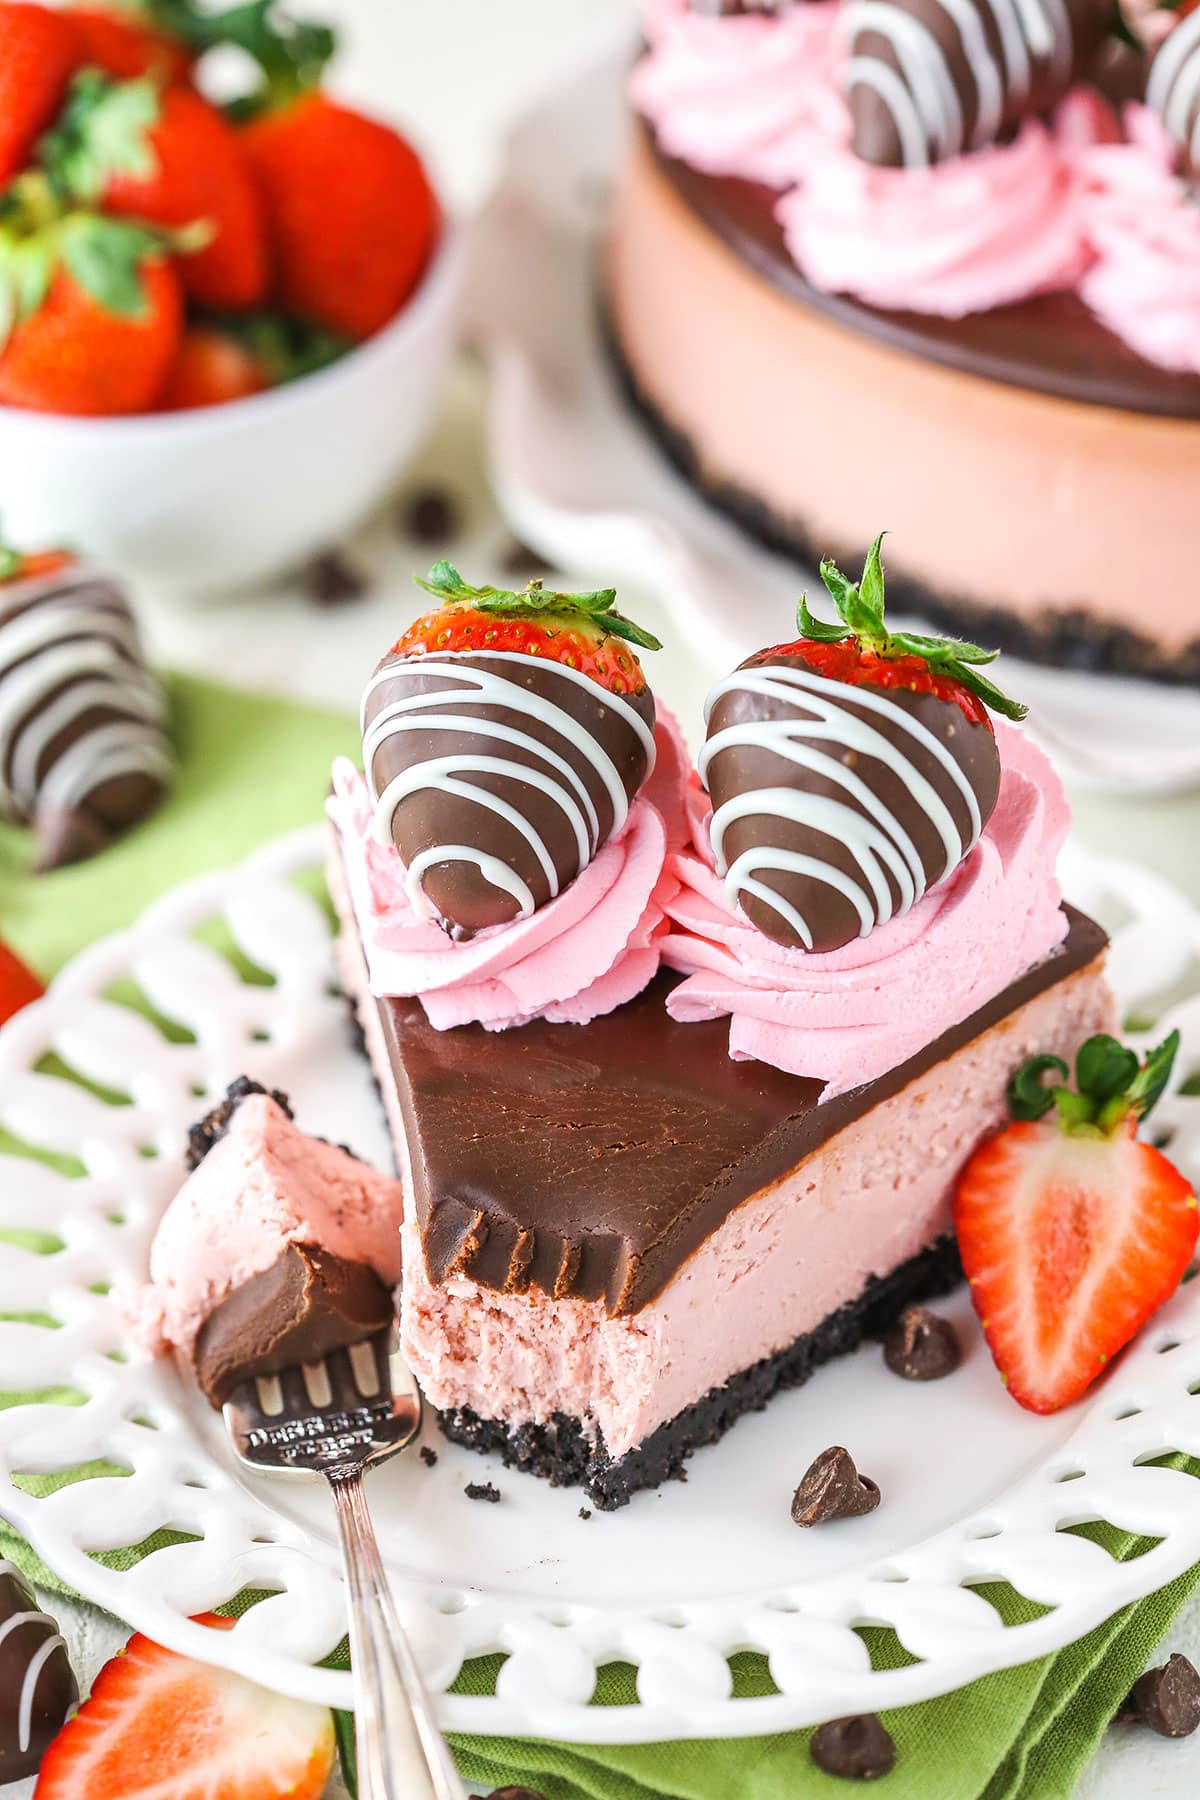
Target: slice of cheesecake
{"points": [[617, 1239]]}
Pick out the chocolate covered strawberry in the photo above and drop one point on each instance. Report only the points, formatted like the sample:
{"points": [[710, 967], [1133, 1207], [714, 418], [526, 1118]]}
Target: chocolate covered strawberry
{"points": [[1073, 1232], [504, 737], [850, 770]]}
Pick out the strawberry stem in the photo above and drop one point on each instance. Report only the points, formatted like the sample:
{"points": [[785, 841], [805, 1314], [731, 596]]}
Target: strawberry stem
{"points": [[860, 608], [1111, 1086], [596, 608]]}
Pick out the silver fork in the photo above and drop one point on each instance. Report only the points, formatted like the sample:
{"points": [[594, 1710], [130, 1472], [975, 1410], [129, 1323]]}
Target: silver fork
{"points": [[338, 1418]]}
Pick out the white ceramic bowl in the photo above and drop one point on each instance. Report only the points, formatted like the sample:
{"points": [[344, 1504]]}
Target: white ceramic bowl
{"points": [[203, 501]]}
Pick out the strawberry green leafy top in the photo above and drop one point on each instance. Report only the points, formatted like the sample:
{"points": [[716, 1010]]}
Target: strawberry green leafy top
{"points": [[597, 608], [860, 608], [1111, 1086]]}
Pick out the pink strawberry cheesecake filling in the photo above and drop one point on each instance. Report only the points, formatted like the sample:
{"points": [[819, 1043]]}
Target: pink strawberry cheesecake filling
{"points": [[847, 1016], [264, 1185], [784, 1261], [594, 947]]}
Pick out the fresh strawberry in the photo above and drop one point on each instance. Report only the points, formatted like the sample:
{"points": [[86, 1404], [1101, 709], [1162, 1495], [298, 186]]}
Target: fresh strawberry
{"points": [[1073, 1232], [166, 158], [39, 53], [161, 1727], [833, 814], [94, 313], [347, 253], [18, 984], [581, 631], [211, 368], [125, 45]]}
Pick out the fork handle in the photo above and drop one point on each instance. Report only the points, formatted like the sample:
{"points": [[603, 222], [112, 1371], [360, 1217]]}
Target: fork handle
{"points": [[400, 1751]]}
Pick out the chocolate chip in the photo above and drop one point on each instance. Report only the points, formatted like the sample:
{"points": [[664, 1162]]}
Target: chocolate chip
{"points": [[431, 515], [921, 1347], [331, 579], [859, 1749], [584, 1513], [516, 1793], [429, 1456], [1168, 1699], [482, 1490], [832, 1488], [519, 559]]}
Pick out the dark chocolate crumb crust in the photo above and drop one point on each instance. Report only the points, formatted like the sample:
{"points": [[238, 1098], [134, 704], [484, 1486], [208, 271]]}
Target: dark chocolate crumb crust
{"points": [[213, 1127], [483, 1490], [1069, 639], [561, 1453]]}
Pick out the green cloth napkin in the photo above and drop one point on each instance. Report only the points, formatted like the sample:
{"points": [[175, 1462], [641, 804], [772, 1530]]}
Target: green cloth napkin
{"points": [[253, 767]]}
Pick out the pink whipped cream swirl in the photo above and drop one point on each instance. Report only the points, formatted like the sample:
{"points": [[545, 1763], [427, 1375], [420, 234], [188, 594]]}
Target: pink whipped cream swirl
{"points": [[742, 95], [847, 1016], [964, 236], [589, 950], [1144, 229]]}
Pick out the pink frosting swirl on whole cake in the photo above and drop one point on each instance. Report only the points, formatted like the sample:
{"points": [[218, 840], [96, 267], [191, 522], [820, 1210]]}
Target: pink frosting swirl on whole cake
{"points": [[963, 236], [742, 95], [1144, 228], [589, 950], [848, 1016]]}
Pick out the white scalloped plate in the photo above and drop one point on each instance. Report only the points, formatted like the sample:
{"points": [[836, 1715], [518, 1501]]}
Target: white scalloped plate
{"points": [[974, 1488], [580, 478]]}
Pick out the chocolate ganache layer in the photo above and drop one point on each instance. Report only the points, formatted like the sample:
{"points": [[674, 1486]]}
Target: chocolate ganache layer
{"points": [[1051, 343], [592, 1160], [306, 1304]]}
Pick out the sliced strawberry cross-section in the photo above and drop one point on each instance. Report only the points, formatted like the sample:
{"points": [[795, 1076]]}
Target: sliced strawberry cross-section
{"points": [[1073, 1232], [159, 1726]]}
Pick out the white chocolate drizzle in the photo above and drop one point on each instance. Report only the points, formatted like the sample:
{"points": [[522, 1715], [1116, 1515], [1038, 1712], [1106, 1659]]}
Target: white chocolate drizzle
{"points": [[921, 93], [1173, 90], [873, 833], [68, 646], [36, 1663], [555, 776]]}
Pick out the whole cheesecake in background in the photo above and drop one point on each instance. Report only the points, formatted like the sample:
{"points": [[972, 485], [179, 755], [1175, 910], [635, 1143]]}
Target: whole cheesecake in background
{"points": [[899, 262]]}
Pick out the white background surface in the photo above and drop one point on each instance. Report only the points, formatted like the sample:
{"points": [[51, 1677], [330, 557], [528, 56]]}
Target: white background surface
{"points": [[456, 72]]}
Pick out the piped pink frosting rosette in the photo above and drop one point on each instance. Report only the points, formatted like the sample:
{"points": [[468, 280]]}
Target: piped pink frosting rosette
{"points": [[589, 950], [741, 95], [848, 1016], [1144, 230], [963, 236]]}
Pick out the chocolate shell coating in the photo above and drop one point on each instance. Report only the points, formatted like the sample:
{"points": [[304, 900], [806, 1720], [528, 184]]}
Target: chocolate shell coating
{"points": [[899, 777], [557, 755], [306, 1304], [37, 1686], [923, 87]]}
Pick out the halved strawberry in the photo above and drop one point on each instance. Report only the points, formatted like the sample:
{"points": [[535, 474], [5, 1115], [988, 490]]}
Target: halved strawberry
{"points": [[18, 984], [161, 1727], [581, 631], [1072, 1232]]}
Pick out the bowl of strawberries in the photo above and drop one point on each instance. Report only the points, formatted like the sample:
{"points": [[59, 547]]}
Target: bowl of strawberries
{"points": [[224, 325]]}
